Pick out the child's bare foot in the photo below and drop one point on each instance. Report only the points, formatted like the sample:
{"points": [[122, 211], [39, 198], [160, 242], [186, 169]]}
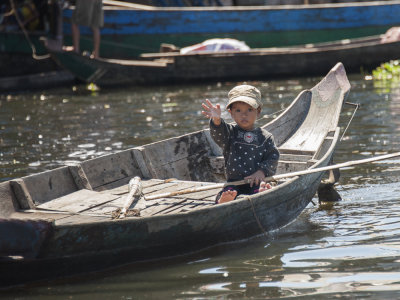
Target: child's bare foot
{"points": [[264, 186], [227, 196]]}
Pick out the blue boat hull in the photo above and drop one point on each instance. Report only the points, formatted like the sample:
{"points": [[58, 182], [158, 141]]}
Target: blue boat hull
{"points": [[129, 32]]}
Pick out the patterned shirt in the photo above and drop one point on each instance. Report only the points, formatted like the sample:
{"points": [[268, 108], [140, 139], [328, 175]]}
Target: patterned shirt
{"points": [[245, 152]]}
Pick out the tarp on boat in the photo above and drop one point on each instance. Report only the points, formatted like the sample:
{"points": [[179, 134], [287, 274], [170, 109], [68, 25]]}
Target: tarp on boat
{"points": [[216, 45]]}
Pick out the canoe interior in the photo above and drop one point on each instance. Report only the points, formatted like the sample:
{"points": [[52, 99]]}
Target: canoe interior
{"points": [[55, 194]]}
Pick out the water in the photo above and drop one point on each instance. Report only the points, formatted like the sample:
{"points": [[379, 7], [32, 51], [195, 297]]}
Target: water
{"points": [[348, 249]]}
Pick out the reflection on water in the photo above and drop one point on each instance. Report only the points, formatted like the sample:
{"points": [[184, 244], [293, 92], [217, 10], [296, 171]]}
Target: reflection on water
{"points": [[348, 249]]}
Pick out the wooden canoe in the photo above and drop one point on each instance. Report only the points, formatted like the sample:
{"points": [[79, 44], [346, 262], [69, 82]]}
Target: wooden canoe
{"points": [[156, 68], [60, 222]]}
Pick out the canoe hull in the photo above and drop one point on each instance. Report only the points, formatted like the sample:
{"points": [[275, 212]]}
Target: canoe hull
{"points": [[129, 32], [358, 55], [136, 241], [64, 216]]}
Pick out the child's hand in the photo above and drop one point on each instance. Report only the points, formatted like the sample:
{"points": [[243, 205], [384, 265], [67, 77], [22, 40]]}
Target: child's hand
{"points": [[211, 111], [256, 178]]}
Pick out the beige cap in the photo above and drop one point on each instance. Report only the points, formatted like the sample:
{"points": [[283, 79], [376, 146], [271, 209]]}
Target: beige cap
{"points": [[245, 93]]}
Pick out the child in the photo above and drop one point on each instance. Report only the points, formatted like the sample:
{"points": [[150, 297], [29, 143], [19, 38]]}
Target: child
{"points": [[250, 153]]}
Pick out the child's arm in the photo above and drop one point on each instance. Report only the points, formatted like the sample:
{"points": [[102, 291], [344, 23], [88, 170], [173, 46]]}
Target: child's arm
{"points": [[212, 112]]}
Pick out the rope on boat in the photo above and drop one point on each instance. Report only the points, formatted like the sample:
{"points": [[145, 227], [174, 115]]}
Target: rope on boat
{"points": [[7, 14], [257, 219], [21, 25], [357, 105]]}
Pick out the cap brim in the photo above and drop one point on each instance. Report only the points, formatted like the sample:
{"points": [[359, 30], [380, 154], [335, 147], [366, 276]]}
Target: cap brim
{"points": [[250, 101]]}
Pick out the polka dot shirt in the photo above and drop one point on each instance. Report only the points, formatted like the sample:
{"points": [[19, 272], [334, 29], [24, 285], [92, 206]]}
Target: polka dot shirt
{"points": [[245, 152]]}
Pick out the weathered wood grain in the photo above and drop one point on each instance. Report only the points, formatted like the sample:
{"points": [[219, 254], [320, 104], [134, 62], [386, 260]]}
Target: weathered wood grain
{"points": [[49, 185], [78, 201], [111, 168]]}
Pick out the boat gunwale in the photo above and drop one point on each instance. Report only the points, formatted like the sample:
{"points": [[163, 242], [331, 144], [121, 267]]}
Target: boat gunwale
{"points": [[149, 8], [298, 49]]}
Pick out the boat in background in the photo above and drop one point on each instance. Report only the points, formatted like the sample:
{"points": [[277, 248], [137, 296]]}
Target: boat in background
{"points": [[24, 60], [173, 67], [60, 222], [131, 29]]}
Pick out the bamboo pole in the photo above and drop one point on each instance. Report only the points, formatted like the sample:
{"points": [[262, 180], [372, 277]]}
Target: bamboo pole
{"points": [[331, 167], [275, 177]]}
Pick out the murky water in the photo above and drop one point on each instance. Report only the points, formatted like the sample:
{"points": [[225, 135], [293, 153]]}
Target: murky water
{"points": [[348, 249]]}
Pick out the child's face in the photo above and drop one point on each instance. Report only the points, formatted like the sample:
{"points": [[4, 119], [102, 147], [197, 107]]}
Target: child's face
{"points": [[244, 115]]}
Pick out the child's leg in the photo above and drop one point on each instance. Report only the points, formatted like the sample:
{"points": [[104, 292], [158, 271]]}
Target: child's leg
{"points": [[229, 193]]}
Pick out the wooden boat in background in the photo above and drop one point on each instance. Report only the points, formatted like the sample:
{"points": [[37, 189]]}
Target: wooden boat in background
{"points": [[133, 29], [307, 60], [60, 222]]}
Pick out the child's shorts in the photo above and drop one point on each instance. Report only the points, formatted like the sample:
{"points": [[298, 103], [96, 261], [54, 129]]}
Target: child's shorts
{"points": [[243, 189]]}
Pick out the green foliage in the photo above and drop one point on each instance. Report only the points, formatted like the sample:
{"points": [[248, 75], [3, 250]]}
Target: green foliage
{"points": [[387, 71]]}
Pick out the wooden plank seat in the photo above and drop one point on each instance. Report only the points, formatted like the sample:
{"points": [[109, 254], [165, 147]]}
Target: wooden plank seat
{"points": [[102, 203]]}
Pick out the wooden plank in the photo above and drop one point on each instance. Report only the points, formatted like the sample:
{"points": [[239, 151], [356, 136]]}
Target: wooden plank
{"points": [[146, 184], [115, 184], [176, 208], [78, 201], [174, 186], [110, 168], [158, 207], [50, 185], [144, 168], [8, 201], [291, 166], [79, 176], [22, 194], [186, 206], [294, 157], [326, 143], [155, 189], [183, 157], [202, 195]]}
